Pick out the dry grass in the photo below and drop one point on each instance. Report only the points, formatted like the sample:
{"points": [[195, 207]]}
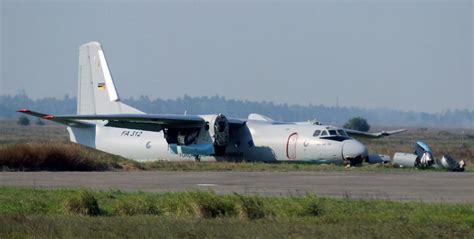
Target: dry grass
{"points": [[53, 157], [11, 133]]}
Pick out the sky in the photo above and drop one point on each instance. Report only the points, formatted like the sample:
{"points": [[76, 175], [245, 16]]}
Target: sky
{"points": [[406, 55]]}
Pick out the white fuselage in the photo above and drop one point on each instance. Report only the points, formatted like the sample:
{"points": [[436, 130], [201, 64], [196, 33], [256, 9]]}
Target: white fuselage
{"points": [[255, 141]]}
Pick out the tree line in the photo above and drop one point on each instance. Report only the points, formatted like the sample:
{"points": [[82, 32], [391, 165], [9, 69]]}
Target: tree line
{"points": [[242, 108]]}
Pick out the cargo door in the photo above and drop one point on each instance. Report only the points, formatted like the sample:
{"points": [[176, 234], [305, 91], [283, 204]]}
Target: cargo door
{"points": [[291, 146]]}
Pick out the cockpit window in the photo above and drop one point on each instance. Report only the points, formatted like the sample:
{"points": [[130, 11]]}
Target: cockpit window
{"points": [[342, 132], [334, 134], [316, 133]]}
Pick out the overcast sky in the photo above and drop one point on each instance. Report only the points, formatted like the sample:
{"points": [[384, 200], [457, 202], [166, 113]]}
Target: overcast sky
{"points": [[409, 55]]}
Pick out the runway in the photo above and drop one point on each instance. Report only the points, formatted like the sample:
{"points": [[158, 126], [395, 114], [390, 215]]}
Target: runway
{"points": [[418, 186]]}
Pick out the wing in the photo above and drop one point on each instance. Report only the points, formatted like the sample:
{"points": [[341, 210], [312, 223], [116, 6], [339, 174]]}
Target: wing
{"points": [[352, 132], [153, 122], [149, 122], [68, 122], [236, 122]]}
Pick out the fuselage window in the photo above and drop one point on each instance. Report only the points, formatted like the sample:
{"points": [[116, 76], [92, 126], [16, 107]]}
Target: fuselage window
{"points": [[316, 133], [332, 132], [324, 133]]}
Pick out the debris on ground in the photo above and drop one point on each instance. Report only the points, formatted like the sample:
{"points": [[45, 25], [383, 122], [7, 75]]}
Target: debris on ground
{"points": [[423, 158]]}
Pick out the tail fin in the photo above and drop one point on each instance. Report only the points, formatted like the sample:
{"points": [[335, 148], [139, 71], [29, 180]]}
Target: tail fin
{"points": [[96, 90]]}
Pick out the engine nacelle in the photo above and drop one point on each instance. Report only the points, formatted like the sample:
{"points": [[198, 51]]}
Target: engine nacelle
{"points": [[209, 139], [218, 128]]}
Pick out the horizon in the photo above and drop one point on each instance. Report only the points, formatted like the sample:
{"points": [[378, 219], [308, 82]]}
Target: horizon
{"points": [[244, 100]]}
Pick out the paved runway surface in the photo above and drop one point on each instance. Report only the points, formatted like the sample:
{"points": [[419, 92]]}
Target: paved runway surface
{"points": [[419, 186]]}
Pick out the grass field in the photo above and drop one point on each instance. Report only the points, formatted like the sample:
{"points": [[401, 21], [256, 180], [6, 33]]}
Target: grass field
{"points": [[47, 148], [41, 213]]}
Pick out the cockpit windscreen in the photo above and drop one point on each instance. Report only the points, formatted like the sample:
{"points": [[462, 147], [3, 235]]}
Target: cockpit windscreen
{"points": [[332, 134]]}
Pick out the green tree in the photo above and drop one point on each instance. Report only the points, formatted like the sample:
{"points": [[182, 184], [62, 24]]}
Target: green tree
{"points": [[357, 123], [23, 120]]}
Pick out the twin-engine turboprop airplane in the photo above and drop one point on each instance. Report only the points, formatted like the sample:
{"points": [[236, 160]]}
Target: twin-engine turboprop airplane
{"points": [[104, 123]]}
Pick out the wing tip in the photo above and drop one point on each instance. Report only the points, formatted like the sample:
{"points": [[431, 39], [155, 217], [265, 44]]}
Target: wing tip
{"points": [[23, 111]]}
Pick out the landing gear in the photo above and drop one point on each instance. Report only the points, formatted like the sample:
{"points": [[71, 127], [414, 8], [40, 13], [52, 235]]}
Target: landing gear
{"points": [[197, 158]]}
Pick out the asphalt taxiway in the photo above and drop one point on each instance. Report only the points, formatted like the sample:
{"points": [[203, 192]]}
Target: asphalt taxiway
{"points": [[418, 186]]}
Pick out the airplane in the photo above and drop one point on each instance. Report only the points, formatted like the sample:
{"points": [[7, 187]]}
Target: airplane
{"points": [[105, 123]]}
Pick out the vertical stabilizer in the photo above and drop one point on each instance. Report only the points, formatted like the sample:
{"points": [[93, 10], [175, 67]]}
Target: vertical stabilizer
{"points": [[96, 90]]}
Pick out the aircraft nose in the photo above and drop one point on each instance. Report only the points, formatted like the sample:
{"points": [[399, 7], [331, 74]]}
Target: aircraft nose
{"points": [[353, 149]]}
